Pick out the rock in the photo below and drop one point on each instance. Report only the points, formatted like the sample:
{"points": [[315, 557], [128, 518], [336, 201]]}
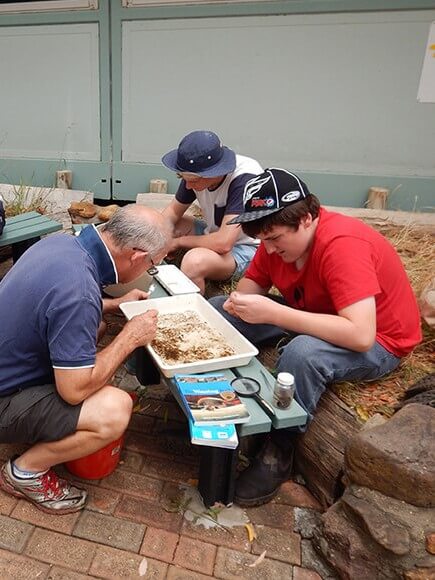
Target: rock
{"points": [[345, 548], [397, 458], [426, 398], [83, 209], [374, 421], [387, 532], [313, 560], [430, 543], [369, 535], [423, 392], [306, 522], [87, 212], [105, 213]]}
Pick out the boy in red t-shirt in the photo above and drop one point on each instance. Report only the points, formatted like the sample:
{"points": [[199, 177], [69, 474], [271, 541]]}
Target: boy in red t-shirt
{"points": [[346, 303]]}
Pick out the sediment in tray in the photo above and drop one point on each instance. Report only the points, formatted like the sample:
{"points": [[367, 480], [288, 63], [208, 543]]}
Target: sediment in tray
{"points": [[185, 337]]}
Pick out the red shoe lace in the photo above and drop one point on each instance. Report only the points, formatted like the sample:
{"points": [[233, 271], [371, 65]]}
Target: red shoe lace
{"points": [[51, 484]]}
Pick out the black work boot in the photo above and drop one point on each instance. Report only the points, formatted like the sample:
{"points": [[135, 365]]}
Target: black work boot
{"points": [[271, 467]]}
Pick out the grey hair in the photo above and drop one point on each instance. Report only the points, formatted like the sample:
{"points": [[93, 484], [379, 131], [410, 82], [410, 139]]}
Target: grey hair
{"points": [[129, 229]]}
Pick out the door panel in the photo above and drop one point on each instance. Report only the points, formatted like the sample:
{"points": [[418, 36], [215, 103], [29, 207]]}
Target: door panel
{"points": [[288, 90], [57, 66], [55, 97]]}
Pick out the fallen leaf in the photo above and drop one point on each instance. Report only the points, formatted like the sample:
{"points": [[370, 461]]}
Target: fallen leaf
{"points": [[143, 567], [258, 560], [192, 482], [252, 535], [361, 412]]}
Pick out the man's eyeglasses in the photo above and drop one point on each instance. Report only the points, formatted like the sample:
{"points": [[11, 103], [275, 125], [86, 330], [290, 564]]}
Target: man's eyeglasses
{"points": [[153, 270]]}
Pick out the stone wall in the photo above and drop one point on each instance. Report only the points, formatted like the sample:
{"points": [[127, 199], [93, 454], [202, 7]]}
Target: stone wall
{"points": [[383, 527]]}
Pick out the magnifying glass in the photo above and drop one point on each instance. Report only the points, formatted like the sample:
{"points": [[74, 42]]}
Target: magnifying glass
{"points": [[248, 387]]}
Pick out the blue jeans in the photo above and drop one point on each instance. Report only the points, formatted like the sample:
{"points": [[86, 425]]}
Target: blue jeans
{"points": [[313, 362]]}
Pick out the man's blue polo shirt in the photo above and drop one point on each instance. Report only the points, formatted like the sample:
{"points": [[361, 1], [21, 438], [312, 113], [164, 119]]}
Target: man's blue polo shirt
{"points": [[51, 308]]}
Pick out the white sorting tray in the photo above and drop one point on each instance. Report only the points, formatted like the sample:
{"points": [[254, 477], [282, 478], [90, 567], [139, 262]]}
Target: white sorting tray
{"points": [[245, 351], [174, 281]]}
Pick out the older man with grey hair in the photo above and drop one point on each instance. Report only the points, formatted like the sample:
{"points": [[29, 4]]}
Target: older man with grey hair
{"points": [[55, 391]]}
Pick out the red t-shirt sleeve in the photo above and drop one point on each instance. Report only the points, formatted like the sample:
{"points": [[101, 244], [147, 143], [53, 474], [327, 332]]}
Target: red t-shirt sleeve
{"points": [[258, 269], [348, 271]]}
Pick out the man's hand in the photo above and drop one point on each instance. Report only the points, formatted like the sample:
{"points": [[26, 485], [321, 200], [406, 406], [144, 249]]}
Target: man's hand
{"points": [[251, 308], [143, 327]]}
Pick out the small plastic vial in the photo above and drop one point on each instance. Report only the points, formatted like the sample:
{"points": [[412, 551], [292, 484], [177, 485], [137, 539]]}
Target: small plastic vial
{"points": [[284, 390]]}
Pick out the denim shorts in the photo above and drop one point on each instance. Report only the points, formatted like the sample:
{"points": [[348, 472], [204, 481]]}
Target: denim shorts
{"points": [[242, 253], [36, 414]]}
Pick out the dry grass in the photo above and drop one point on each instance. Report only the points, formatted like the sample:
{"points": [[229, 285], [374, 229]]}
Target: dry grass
{"points": [[416, 247], [26, 199]]}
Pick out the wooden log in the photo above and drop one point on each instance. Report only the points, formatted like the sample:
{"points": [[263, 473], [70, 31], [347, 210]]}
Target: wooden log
{"points": [[377, 198], [320, 451], [158, 186], [64, 179]]}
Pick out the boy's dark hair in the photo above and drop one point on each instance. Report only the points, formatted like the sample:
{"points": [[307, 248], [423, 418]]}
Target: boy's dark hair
{"points": [[290, 216]]}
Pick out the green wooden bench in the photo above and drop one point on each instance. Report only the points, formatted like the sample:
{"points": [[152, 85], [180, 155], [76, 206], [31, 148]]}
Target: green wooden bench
{"points": [[217, 469], [23, 230]]}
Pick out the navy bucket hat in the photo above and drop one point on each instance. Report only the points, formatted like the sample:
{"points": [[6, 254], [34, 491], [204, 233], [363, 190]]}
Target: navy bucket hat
{"points": [[202, 153], [270, 192]]}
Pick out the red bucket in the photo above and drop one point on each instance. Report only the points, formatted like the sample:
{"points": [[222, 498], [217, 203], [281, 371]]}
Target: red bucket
{"points": [[101, 463], [98, 464]]}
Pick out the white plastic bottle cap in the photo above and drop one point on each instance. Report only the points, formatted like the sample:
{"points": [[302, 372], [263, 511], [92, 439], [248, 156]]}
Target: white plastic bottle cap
{"points": [[286, 378]]}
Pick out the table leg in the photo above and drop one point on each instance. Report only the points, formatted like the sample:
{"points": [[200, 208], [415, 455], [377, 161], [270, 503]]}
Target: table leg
{"points": [[217, 466], [217, 475], [19, 248], [147, 372]]}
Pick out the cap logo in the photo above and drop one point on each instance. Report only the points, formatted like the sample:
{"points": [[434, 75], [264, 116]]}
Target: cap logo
{"points": [[266, 202], [253, 187], [291, 196]]}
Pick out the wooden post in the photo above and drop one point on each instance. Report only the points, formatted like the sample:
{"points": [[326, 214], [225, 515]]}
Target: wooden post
{"points": [[377, 198], [158, 186], [64, 179]]}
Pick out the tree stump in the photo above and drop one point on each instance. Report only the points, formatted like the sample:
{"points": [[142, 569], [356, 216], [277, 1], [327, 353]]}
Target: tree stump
{"points": [[377, 198], [158, 186]]}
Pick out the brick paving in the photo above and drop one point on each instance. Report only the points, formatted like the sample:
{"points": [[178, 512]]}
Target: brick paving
{"points": [[129, 517]]}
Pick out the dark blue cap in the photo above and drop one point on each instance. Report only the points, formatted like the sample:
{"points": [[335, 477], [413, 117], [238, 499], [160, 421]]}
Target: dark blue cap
{"points": [[270, 192], [201, 152]]}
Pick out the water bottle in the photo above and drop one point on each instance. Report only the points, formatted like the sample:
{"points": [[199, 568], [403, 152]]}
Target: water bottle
{"points": [[283, 390]]}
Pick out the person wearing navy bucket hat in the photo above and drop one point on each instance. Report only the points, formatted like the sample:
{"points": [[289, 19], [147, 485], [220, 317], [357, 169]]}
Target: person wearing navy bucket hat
{"points": [[346, 310], [215, 176]]}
